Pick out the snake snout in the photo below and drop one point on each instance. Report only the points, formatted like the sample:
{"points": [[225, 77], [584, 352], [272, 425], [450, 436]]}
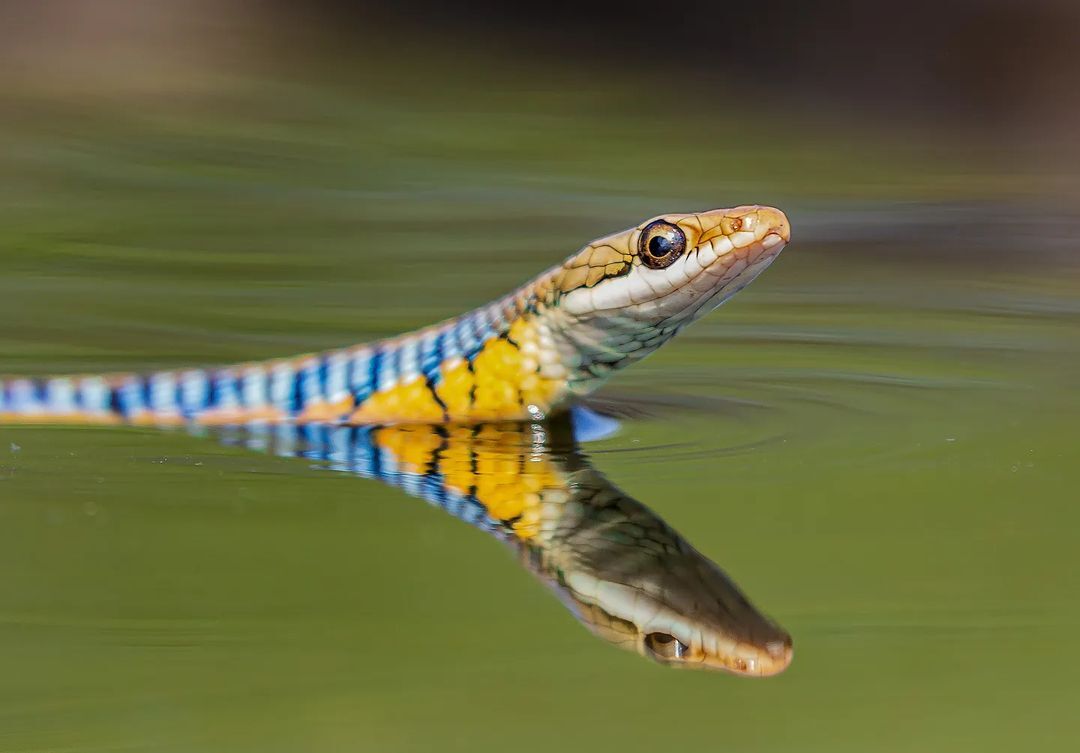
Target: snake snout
{"points": [[773, 222]]}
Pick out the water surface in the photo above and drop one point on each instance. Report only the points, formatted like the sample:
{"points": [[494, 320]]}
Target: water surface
{"points": [[877, 441]]}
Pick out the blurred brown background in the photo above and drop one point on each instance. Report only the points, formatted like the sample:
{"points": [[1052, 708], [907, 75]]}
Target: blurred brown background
{"points": [[992, 64]]}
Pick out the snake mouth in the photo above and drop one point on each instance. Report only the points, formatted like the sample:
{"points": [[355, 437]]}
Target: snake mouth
{"points": [[775, 240], [723, 653], [727, 254], [766, 660], [730, 256]]}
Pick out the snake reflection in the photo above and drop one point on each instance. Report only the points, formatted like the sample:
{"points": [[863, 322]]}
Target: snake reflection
{"points": [[621, 571]]}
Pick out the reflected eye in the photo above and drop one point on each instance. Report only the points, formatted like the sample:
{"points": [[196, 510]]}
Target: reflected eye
{"points": [[661, 244], [665, 646]]}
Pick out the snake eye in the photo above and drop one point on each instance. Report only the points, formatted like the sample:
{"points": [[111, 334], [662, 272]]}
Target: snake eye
{"points": [[661, 244], [665, 646]]}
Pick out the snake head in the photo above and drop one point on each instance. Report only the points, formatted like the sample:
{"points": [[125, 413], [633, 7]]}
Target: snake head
{"points": [[624, 295]]}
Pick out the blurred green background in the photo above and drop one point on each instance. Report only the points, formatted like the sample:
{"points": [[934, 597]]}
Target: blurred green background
{"points": [[877, 439]]}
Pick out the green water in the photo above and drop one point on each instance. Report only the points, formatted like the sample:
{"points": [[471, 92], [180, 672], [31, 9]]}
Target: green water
{"points": [[877, 440]]}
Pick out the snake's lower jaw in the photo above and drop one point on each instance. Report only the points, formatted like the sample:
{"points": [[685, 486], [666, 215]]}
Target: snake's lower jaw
{"points": [[774, 243], [762, 253]]}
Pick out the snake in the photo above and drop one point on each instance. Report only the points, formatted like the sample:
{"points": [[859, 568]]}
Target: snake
{"points": [[477, 416], [523, 357], [621, 571]]}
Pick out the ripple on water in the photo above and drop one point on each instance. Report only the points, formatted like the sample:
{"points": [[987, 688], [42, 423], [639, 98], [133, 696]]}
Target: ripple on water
{"points": [[853, 371]]}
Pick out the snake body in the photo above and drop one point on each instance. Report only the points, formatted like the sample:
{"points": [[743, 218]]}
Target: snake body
{"points": [[524, 356]]}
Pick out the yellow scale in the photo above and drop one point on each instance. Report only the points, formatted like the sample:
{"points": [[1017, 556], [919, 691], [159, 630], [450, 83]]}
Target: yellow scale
{"points": [[502, 383], [487, 462]]}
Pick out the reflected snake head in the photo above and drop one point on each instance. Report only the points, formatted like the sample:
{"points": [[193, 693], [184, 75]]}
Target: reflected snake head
{"points": [[701, 619], [637, 583], [624, 573]]}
